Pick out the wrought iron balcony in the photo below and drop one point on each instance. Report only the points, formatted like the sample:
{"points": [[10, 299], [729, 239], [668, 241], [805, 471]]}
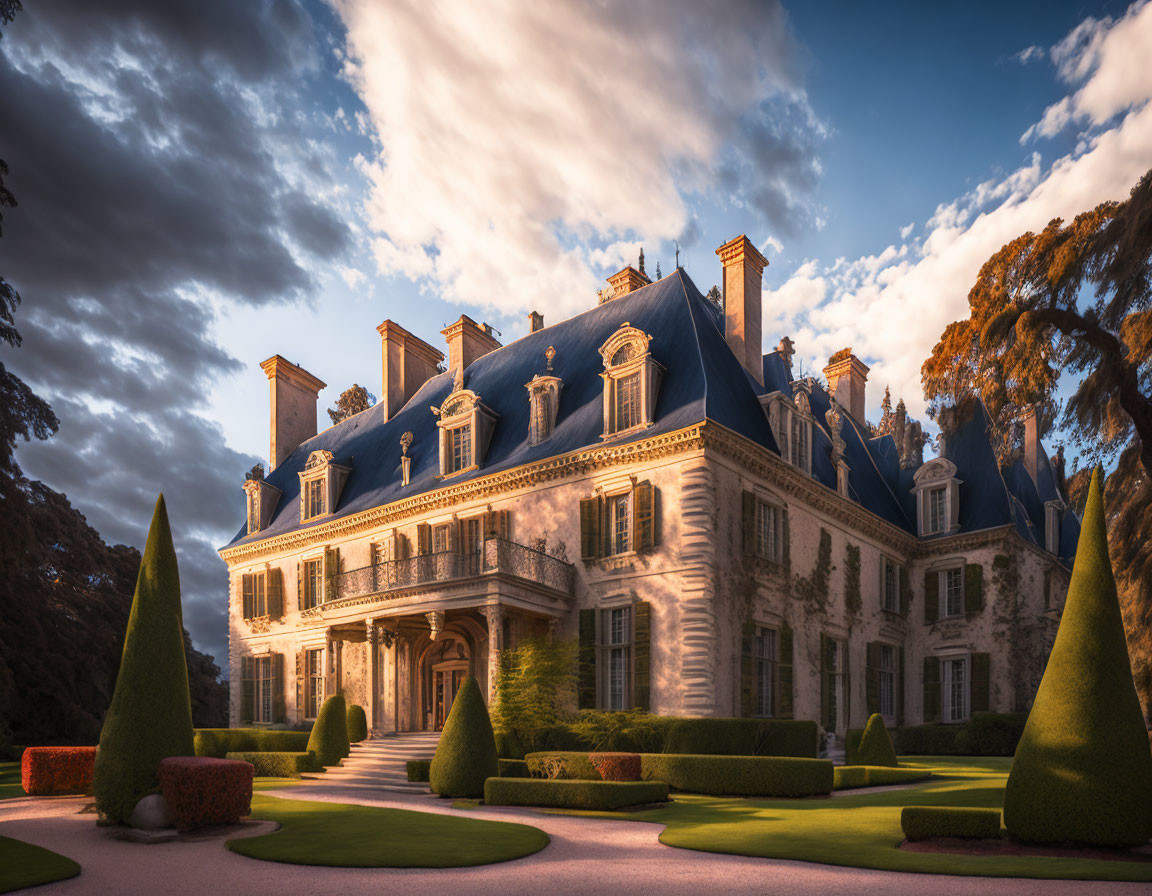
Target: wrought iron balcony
{"points": [[496, 557]]}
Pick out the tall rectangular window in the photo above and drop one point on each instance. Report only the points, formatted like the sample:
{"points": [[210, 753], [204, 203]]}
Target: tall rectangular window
{"points": [[952, 592], [801, 455], [540, 426], [764, 656], [459, 453], [313, 585], [835, 669], [470, 536], [314, 498], [440, 539], [626, 398], [954, 689], [314, 682], [768, 532], [887, 681], [616, 657], [937, 510], [253, 514], [619, 524], [891, 596], [262, 670], [255, 595]]}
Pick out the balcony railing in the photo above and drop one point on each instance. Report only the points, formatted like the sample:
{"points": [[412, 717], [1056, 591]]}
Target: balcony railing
{"points": [[495, 556]]}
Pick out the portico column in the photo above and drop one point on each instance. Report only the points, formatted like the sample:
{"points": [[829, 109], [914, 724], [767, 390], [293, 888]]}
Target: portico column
{"points": [[495, 614], [373, 671]]}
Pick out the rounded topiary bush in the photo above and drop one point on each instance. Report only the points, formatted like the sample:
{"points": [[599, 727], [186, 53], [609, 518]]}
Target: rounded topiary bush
{"points": [[1083, 771], [329, 738], [466, 754], [357, 724], [150, 717], [876, 744]]}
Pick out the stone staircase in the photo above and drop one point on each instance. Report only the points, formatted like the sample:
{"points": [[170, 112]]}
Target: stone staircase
{"points": [[381, 764]]}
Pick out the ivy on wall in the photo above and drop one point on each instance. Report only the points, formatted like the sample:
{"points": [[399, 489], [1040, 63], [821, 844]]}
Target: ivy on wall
{"points": [[853, 602], [1018, 629], [813, 589]]}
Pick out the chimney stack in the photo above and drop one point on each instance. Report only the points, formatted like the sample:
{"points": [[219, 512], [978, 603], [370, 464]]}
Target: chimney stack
{"points": [[293, 391], [536, 320], [407, 363], [1032, 447], [846, 375], [467, 341], [625, 281], [743, 300]]}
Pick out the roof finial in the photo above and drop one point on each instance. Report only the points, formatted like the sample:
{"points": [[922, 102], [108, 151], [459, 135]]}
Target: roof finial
{"points": [[642, 261], [549, 353], [677, 245]]}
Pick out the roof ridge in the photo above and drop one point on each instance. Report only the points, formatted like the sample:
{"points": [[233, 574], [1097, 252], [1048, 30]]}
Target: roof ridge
{"points": [[696, 339]]}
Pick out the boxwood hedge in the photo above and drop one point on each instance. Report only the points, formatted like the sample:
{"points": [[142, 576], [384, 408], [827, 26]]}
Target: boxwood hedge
{"points": [[846, 777], [418, 770], [329, 739], [926, 822], [597, 795], [743, 737], [514, 768], [279, 764], [219, 742]]}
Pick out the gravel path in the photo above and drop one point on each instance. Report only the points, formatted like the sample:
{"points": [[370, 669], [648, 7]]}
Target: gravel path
{"points": [[587, 855]]}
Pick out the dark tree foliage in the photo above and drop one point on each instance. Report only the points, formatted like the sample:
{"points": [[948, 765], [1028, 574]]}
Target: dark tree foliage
{"points": [[64, 593], [8, 10], [351, 401], [715, 298]]}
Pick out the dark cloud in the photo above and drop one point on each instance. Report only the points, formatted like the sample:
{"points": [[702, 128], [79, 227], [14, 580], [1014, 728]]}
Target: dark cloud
{"points": [[156, 150]]}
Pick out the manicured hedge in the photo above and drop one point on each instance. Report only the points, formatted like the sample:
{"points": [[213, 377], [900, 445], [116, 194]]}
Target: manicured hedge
{"points": [[743, 737], [577, 765], [616, 766], [466, 753], [875, 747], [985, 734], [846, 777], [279, 765], [357, 724], [514, 768], [926, 822], [598, 795], [329, 738], [418, 770], [219, 742], [200, 790], [49, 771]]}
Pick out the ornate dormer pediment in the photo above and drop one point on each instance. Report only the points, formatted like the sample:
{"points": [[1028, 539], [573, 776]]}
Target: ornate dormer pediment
{"points": [[319, 458], [627, 344], [631, 381], [803, 403], [936, 470], [937, 493], [466, 425], [321, 482]]}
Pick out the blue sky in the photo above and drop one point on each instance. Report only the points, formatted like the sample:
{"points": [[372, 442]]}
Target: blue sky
{"points": [[239, 180]]}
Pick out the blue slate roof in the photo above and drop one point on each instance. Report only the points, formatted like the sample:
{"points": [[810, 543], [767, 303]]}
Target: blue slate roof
{"points": [[702, 380]]}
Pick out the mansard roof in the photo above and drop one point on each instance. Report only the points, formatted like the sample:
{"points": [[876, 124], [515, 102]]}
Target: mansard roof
{"points": [[702, 381]]}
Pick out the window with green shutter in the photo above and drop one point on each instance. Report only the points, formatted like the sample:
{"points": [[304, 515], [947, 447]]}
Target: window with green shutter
{"points": [[973, 589]]}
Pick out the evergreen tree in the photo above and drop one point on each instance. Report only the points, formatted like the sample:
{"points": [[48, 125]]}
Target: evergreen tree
{"points": [[876, 744], [466, 754], [329, 738], [151, 714], [1083, 769]]}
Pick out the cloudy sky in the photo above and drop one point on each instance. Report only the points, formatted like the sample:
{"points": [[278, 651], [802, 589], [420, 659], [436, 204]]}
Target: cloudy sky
{"points": [[204, 184]]}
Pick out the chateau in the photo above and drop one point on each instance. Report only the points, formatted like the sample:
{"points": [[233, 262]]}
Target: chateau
{"points": [[723, 537]]}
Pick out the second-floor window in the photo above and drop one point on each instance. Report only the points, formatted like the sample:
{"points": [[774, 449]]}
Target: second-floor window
{"points": [[768, 536], [620, 524], [312, 584], [255, 596], [440, 539], [891, 585], [952, 592]]}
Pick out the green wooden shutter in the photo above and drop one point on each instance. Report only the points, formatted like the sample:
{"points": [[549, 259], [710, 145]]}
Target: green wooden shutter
{"points": [[301, 700], [300, 586], [784, 704], [275, 593], [590, 529], [825, 683], [748, 522], [931, 689], [423, 538], [247, 689], [246, 591], [900, 686], [981, 682], [586, 684], [747, 671], [642, 655], [872, 677], [644, 515], [278, 684], [973, 588], [931, 596], [905, 592]]}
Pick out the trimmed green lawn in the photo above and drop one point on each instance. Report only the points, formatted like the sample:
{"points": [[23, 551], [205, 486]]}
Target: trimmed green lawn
{"points": [[862, 830], [347, 836], [10, 780], [25, 865]]}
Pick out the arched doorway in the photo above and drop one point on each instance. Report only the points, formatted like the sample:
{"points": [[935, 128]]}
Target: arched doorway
{"points": [[443, 667]]}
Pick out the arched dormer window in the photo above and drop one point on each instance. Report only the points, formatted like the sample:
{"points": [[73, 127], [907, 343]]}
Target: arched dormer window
{"points": [[261, 499], [543, 403], [937, 493], [321, 482], [791, 422], [466, 425], [631, 382]]}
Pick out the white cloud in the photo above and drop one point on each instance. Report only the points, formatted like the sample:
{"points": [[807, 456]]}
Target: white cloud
{"points": [[892, 307], [1029, 54], [523, 145], [906, 230]]}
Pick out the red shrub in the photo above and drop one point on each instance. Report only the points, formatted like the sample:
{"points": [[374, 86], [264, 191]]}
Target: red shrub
{"points": [[616, 766], [201, 790], [46, 771]]}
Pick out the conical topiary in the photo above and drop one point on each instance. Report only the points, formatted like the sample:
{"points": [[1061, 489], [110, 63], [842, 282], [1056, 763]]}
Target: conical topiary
{"points": [[357, 724], [876, 744], [151, 715], [1083, 771], [329, 738], [466, 754]]}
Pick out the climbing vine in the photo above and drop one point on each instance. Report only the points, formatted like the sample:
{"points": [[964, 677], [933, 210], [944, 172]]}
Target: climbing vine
{"points": [[1017, 628], [853, 602], [813, 589]]}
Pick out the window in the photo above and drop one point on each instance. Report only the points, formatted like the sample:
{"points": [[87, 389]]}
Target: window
{"points": [[470, 536], [937, 510], [626, 403], [952, 592], [616, 657], [262, 679], [1052, 526], [314, 675], [886, 677], [459, 455], [768, 531], [314, 498], [955, 689], [764, 655], [631, 378], [835, 705], [801, 454], [440, 539], [619, 524], [891, 586], [543, 398], [253, 514], [255, 596], [541, 417], [312, 585]]}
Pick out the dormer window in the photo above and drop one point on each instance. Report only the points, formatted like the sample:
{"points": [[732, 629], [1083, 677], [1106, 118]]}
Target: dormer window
{"points": [[321, 482], [261, 499], [937, 493], [791, 422], [466, 426], [1052, 511], [631, 381], [543, 403]]}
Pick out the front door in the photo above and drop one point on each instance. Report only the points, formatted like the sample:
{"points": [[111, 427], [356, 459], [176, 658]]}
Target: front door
{"points": [[446, 681]]}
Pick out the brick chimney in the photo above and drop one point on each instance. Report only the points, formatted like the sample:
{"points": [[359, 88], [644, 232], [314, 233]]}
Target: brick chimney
{"points": [[536, 321], [1032, 447], [743, 300], [626, 281], [467, 341], [406, 362], [293, 392], [847, 375]]}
